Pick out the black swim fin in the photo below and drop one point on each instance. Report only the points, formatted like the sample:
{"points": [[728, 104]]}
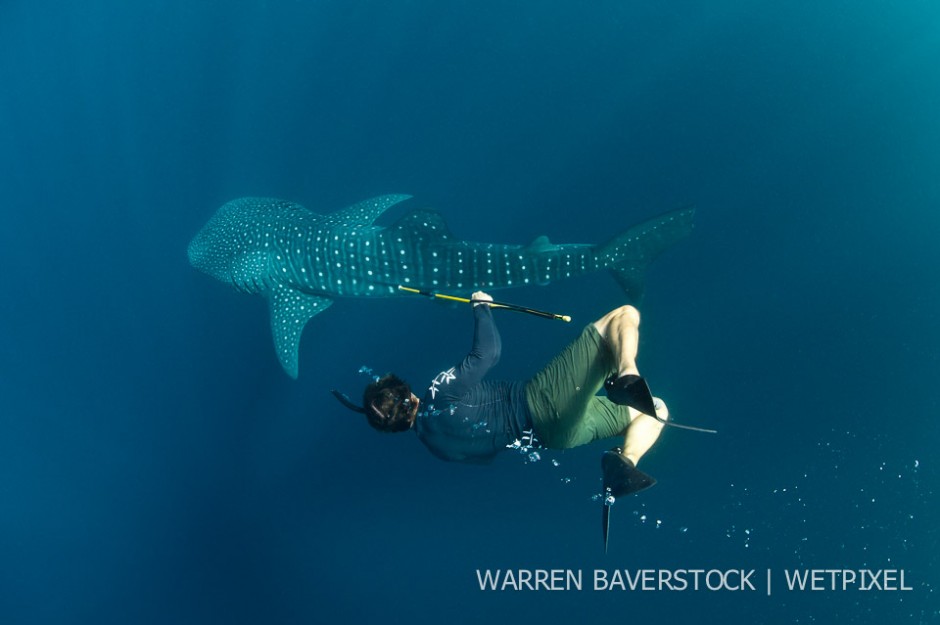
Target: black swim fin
{"points": [[633, 391], [621, 478]]}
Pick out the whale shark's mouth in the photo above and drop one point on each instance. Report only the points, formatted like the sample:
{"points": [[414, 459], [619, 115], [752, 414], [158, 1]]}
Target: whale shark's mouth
{"points": [[196, 251]]}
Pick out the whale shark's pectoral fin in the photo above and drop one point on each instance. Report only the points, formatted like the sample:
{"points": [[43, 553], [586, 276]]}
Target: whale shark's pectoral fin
{"points": [[290, 311], [364, 213]]}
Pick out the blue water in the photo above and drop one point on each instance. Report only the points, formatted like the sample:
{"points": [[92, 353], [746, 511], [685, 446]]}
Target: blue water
{"points": [[157, 466]]}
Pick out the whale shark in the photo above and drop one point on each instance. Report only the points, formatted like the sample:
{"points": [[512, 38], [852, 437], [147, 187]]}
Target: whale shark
{"points": [[302, 261]]}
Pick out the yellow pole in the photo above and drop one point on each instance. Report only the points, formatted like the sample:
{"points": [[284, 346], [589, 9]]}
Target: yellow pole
{"points": [[464, 300]]}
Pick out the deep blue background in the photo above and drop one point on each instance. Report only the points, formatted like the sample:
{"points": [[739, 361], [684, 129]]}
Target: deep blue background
{"points": [[157, 466]]}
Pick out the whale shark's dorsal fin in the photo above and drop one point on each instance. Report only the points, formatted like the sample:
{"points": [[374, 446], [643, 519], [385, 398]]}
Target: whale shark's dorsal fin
{"points": [[290, 311], [423, 224], [540, 245], [364, 213]]}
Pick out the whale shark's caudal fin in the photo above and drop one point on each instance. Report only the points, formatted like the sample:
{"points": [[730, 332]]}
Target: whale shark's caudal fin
{"points": [[290, 311], [628, 254]]}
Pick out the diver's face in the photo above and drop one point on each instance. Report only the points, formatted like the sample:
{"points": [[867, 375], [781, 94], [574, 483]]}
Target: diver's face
{"points": [[413, 415]]}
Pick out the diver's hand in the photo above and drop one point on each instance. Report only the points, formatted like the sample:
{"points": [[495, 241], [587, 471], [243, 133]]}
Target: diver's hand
{"points": [[479, 298]]}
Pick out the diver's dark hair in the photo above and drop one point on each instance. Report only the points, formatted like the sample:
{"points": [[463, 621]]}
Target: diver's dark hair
{"points": [[387, 404]]}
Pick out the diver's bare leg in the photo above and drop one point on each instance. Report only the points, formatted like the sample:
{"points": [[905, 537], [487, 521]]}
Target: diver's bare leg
{"points": [[620, 328], [642, 432]]}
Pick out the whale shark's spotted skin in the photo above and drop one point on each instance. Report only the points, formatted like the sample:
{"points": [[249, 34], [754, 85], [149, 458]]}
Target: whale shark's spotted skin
{"points": [[301, 261]]}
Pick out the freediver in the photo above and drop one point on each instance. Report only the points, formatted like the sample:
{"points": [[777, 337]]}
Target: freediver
{"points": [[464, 418]]}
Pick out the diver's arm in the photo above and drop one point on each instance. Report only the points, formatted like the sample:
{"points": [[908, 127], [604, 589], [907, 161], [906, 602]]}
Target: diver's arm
{"points": [[482, 356], [454, 383], [487, 344]]}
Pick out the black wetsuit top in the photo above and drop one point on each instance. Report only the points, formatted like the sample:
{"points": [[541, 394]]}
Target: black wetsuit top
{"points": [[464, 419]]}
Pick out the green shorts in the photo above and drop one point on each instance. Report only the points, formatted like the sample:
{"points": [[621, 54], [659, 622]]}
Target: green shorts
{"points": [[566, 410]]}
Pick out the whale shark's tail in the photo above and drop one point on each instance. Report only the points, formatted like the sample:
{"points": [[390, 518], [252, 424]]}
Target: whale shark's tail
{"points": [[628, 254]]}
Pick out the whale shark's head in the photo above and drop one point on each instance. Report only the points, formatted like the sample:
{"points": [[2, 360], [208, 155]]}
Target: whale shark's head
{"points": [[237, 244]]}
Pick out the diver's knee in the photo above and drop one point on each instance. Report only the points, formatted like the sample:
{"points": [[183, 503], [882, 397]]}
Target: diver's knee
{"points": [[628, 314]]}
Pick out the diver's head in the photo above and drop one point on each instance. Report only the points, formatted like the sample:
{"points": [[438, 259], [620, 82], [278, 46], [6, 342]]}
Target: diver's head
{"points": [[389, 404]]}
